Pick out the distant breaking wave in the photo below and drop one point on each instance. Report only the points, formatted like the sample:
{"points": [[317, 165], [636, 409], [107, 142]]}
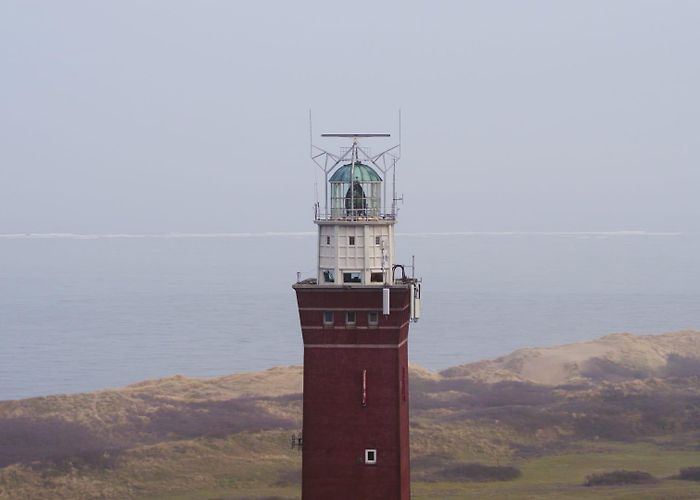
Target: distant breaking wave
{"points": [[97, 236], [547, 233]]}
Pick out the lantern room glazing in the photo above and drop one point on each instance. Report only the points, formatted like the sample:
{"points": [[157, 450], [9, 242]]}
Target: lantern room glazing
{"points": [[356, 192]]}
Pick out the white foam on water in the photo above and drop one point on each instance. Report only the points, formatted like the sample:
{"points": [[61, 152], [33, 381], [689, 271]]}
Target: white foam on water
{"points": [[95, 236], [574, 234]]}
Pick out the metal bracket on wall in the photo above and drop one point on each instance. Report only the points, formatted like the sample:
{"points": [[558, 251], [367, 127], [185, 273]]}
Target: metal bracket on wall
{"points": [[297, 442]]}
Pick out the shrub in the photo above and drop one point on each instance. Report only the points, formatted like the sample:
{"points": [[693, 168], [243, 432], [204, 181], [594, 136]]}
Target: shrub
{"points": [[598, 370], [690, 474], [601, 426], [681, 366], [620, 477], [209, 419], [28, 440]]}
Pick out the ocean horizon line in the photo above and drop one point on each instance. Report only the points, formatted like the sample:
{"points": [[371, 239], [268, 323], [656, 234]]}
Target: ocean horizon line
{"points": [[268, 234]]}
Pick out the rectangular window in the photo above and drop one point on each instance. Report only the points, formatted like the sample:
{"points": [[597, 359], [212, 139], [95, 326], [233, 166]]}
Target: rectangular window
{"points": [[352, 278], [328, 276], [327, 318], [350, 318], [377, 240], [377, 277], [373, 318], [351, 240], [328, 240], [370, 457]]}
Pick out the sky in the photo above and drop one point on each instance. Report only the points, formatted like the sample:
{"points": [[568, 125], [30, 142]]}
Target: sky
{"points": [[173, 116]]}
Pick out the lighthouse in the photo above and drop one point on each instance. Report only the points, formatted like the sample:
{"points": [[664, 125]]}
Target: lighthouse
{"points": [[355, 315]]}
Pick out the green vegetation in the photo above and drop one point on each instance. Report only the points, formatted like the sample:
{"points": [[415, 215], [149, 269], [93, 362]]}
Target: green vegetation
{"points": [[228, 438], [690, 474], [620, 478]]}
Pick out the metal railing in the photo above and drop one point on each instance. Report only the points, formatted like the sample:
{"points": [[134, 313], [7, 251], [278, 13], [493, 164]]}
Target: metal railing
{"points": [[352, 214]]}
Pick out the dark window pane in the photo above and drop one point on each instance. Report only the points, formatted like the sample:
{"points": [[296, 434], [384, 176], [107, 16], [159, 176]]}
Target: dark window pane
{"points": [[350, 318], [373, 318], [352, 278], [328, 317]]}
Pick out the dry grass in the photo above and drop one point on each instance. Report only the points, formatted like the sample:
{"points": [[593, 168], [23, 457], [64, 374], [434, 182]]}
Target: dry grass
{"points": [[228, 437]]}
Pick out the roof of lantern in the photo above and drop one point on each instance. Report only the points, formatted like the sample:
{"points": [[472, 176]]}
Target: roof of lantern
{"points": [[362, 173]]}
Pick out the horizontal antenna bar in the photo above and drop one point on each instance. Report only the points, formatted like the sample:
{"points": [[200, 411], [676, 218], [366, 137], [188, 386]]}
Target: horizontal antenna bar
{"points": [[355, 135]]}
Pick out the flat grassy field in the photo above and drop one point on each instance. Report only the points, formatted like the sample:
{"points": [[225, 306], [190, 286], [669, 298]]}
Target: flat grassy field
{"points": [[557, 476], [562, 476]]}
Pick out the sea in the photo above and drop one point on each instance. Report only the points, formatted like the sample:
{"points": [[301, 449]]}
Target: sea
{"points": [[86, 312]]}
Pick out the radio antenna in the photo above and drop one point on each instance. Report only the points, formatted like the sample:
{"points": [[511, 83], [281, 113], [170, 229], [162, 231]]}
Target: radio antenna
{"points": [[385, 161]]}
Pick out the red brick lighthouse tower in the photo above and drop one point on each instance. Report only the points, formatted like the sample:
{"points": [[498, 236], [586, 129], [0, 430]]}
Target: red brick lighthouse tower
{"points": [[354, 319]]}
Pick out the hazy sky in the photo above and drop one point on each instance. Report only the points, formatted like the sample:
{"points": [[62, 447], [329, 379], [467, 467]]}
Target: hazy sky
{"points": [[160, 116]]}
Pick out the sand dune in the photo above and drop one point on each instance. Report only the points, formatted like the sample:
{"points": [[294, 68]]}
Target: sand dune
{"points": [[616, 356], [180, 435]]}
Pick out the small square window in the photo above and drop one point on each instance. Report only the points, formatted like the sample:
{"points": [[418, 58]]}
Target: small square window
{"points": [[373, 318], [377, 240], [351, 240], [328, 276], [377, 277], [350, 318], [370, 457], [328, 240], [327, 317]]}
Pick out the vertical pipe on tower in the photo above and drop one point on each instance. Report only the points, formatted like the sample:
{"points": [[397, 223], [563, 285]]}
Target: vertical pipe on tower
{"points": [[364, 387]]}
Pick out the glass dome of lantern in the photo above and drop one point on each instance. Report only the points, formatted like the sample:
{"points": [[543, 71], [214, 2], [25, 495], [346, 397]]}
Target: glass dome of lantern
{"points": [[355, 192]]}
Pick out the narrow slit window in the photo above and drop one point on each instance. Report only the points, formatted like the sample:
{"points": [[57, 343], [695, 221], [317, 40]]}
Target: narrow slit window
{"points": [[350, 318], [328, 318], [377, 240], [370, 456], [373, 318], [328, 240], [403, 383], [351, 240], [364, 388]]}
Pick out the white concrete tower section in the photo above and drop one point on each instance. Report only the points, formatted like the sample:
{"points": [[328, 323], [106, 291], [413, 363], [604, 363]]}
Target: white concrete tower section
{"points": [[354, 252], [355, 229]]}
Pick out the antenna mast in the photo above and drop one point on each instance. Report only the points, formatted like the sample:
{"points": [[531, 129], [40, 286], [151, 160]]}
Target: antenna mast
{"points": [[328, 161]]}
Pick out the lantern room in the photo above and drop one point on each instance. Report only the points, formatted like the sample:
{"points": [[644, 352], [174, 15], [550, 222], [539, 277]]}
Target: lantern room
{"points": [[355, 192]]}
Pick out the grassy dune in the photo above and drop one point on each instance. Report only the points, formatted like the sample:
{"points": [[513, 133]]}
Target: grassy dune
{"points": [[484, 430]]}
